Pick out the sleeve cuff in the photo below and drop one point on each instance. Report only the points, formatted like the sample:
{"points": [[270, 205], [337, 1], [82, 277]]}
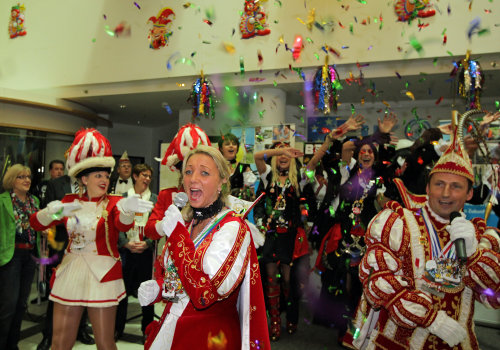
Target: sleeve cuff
{"points": [[126, 219], [44, 217]]}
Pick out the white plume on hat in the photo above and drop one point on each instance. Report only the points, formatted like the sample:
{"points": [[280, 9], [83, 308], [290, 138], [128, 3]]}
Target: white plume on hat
{"points": [[89, 149], [187, 138]]}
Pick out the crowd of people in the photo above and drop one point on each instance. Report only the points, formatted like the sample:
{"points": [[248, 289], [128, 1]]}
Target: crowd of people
{"points": [[384, 222]]}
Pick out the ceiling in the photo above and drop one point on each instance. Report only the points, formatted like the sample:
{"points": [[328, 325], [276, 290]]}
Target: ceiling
{"points": [[149, 108]]}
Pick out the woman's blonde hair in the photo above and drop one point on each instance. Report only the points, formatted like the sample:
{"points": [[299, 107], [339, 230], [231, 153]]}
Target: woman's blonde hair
{"points": [[292, 172], [12, 173], [222, 168]]}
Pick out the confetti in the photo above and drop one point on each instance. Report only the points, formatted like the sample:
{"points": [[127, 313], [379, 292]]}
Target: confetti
{"points": [[410, 95], [416, 45], [438, 101], [242, 66], [166, 107], [229, 47], [137, 5]]}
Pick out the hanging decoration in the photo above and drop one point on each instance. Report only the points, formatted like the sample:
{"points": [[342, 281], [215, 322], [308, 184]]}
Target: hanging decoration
{"points": [[407, 10], [203, 98], [470, 82], [253, 20], [326, 86], [159, 34], [16, 22]]}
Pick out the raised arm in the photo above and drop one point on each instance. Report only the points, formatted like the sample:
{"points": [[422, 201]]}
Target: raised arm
{"points": [[261, 156], [352, 124]]}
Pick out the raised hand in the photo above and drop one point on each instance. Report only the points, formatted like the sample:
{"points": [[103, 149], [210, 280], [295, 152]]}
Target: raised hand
{"points": [[488, 119], [134, 204], [388, 122], [446, 129], [291, 152]]}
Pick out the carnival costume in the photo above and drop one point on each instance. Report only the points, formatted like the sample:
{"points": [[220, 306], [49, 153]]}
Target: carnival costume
{"points": [[344, 245], [90, 273], [212, 288], [91, 258], [417, 295], [279, 215]]}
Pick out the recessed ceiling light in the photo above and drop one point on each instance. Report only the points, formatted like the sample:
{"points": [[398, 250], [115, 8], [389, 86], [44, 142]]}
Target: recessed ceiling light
{"points": [[123, 106]]}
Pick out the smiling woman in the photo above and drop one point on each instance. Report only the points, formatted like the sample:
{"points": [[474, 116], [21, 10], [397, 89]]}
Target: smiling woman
{"points": [[18, 242]]}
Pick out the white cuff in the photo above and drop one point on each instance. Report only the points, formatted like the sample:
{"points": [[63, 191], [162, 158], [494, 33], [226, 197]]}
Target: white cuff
{"points": [[44, 217], [126, 219]]}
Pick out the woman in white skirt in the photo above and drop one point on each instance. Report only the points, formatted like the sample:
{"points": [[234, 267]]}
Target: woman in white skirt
{"points": [[90, 274]]}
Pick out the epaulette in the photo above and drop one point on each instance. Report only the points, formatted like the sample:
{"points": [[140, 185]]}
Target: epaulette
{"points": [[395, 207]]}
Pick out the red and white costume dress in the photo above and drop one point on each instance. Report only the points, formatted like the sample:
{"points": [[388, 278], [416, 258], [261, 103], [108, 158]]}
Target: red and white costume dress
{"points": [[212, 288], [90, 273], [397, 274]]}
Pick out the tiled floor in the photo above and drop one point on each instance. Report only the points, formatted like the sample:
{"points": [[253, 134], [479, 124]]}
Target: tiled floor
{"points": [[309, 336]]}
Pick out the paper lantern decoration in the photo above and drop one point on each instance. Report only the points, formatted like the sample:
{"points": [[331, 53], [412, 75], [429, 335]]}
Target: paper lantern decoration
{"points": [[326, 86], [407, 10], [16, 22], [203, 98], [253, 20], [159, 34], [470, 82]]}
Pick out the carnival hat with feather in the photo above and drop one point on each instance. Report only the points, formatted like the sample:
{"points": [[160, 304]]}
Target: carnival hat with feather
{"points": [[90, 149], [187, 138], [454, 160]]}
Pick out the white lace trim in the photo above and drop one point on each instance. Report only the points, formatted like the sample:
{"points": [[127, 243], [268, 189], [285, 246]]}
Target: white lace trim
{"points": [[434, 215]]}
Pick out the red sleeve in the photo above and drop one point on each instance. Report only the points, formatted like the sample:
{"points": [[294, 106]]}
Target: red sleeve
{"points": [[163, 202]]}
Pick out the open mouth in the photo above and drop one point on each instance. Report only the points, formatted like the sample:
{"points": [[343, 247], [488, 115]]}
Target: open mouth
{"points": [[195, 193], [102, 186]]}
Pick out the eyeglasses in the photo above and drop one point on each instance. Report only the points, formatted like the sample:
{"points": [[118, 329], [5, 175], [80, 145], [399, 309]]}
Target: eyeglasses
{"points": [[367, 151], [23, 177], [147, 176]]}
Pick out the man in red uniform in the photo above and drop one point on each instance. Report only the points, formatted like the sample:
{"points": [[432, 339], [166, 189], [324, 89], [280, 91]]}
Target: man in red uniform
{"points": [[417, 293]]}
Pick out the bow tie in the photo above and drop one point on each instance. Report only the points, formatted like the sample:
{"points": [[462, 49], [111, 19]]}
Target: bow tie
{"points": [[122, 181]]}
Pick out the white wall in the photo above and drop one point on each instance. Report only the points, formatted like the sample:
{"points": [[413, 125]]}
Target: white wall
{"points": [[67, 44]]}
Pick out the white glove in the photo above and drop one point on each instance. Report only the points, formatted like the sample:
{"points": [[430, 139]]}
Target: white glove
{"points": [[58, 209], [170, 220], [148, 292], [463, 228], [134, 204], [447, 328]]}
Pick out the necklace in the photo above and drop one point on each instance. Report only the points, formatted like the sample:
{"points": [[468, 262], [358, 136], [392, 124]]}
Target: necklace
{"points": [[357, 206]]}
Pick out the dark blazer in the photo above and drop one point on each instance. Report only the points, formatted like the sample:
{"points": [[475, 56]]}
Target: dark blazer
{"points": [[56, 190]]}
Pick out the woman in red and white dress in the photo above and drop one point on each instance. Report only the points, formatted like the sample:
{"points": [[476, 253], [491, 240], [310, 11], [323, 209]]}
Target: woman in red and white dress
{"points": [[208, 273], [90, 274]]}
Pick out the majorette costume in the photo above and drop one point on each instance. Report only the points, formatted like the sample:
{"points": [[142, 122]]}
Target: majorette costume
{"points": [[187, 138], [410, 274], [90, 273], [212, 287]]}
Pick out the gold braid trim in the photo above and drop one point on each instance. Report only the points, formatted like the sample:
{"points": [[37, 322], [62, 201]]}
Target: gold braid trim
{"points": [[105, 215]]}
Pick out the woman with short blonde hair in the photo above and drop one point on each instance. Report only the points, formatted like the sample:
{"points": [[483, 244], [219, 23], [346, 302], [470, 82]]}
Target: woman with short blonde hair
{"points": [[18, 242]]}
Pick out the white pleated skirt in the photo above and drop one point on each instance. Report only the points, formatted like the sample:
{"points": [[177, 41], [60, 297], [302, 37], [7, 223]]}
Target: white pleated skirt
{"points": [[78, 279]]}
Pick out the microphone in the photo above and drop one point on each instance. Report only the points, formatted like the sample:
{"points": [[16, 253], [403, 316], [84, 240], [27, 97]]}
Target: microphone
{"points": [[180, 200], [460, 242]]}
